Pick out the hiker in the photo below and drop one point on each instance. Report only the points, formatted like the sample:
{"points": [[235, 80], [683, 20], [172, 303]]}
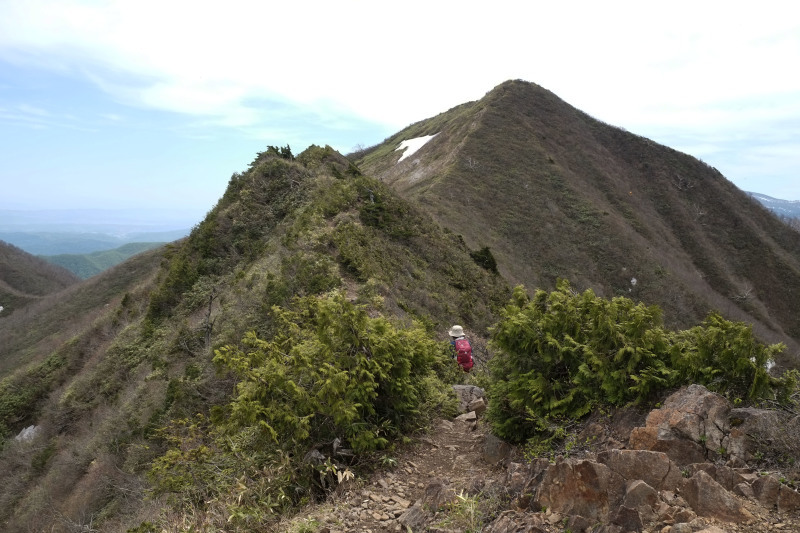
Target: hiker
{"points": [[462, 349]]}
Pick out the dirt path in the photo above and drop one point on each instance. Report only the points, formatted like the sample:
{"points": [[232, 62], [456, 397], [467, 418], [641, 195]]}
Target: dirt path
{"points": [[434, 470]]}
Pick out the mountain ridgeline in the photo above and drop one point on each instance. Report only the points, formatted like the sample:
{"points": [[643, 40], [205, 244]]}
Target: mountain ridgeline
{"points": [[106, 396], [556, 194], [25, 278], [197, 385]]}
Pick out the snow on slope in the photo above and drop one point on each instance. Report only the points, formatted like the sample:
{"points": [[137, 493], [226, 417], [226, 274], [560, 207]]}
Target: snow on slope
{"points": [[412, 145]]}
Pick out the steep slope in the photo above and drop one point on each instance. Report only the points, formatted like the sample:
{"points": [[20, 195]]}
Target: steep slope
{"points": [[25, 278], [133, 365], [557, 194], [31, 334]]}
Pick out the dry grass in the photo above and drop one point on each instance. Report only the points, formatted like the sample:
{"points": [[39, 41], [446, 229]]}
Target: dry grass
{"points": [[557, 194]]}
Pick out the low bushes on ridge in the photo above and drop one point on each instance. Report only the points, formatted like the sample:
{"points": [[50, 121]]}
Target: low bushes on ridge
{"points": [[559, 355]]}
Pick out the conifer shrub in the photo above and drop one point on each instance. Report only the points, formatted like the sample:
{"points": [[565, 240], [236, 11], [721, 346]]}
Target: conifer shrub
{"points": [[726, 357], [330, 377], [560, 355], [485, 259], [329, 372]]}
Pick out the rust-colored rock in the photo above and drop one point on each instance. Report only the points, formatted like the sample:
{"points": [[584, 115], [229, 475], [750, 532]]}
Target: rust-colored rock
{"points": [[654, 468], [584, 488], [628, 519], [691, 427], [681, 451], [708, 498], [642, 497], [788, 499]]}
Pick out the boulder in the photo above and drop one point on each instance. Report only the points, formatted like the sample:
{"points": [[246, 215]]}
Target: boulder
{"points": [[788, 499], [495, 450], [628, 519], [414, 518], [724, 475], [708, 498], [744, 489], [766, 490], [478, 406], [681, 452], [691, 426], [28, 434], [584, 488], [522, 479], [641, 497], [467, 394], [771, 493], [471, 416], [762, 430], [437, 494], [654, 468]]}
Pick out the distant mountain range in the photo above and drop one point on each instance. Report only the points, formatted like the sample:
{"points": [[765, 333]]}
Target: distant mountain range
{"points": [[83, 231], [118, 222], [87, 265], [57, 243], [786, 208]]}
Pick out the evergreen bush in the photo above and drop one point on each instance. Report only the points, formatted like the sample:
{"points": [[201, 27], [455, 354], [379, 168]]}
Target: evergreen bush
{"points": [[560, 355], [330, 377]]}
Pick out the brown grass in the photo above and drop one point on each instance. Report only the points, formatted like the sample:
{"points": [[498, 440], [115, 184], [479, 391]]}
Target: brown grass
{"points": [[557, 194]]}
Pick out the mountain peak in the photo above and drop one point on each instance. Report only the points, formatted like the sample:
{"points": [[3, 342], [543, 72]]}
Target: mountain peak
{"points": [[558, 194]]}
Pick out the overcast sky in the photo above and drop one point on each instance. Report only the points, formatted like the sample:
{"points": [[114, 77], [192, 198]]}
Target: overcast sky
{"points": [[156, 103]]}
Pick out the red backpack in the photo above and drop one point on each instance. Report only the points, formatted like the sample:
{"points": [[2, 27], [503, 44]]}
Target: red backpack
{"points": [[464, 354]]}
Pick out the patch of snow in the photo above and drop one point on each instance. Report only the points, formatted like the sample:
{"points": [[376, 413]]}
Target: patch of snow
{"points": [[412, 145], [27, 434]]}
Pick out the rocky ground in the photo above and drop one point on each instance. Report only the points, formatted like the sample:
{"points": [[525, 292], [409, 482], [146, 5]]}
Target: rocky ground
{"points": [[459, 478]]}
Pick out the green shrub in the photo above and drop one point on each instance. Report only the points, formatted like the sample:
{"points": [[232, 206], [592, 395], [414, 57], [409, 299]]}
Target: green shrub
{"points": [[330, 376], [559, 355], [484, 259], [726, 357], [330, 371]]}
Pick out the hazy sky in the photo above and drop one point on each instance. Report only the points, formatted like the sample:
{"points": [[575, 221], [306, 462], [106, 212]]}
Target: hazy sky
{"points": [[156, 103]]}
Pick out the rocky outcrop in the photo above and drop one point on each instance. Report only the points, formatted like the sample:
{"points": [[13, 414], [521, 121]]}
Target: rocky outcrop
{"points": [[467, 394], [683, 468], [691, 427], [650, 488], [762, 432], [583, 488]]}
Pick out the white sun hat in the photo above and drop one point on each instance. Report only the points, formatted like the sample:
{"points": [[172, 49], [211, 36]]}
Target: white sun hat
{"points": [[456, 331]]}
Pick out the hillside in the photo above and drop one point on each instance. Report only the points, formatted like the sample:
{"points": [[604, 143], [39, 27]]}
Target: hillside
{"points": [[295, 344], [25, 278], [87, 265], [121, 366], [557, 194]]}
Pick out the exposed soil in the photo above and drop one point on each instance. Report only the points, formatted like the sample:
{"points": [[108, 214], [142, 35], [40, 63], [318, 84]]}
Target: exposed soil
{"points": [[446, 469]]}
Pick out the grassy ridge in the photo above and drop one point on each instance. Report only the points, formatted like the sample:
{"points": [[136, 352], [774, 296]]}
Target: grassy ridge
{"points": [[286, 228]]}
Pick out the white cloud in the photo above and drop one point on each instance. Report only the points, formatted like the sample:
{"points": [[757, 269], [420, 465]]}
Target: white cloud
{"points": [[714, 70], [397, 64]]}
